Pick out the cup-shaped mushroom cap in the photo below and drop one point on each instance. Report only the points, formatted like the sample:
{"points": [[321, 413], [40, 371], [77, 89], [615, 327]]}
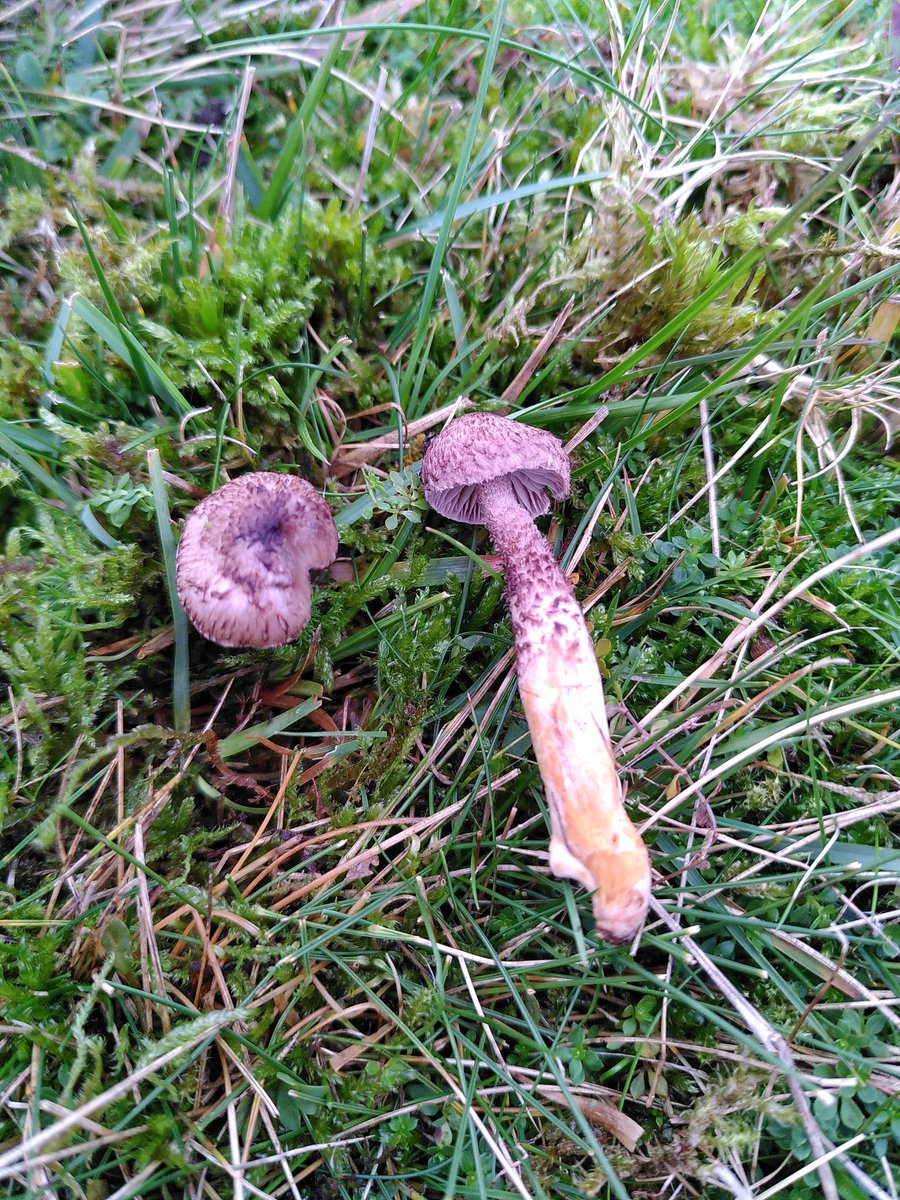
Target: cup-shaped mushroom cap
{"points": [[479, 447], [243, 562]]}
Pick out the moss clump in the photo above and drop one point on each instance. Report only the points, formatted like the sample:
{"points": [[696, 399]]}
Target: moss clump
{"points": [[55, 588], [677, 261], [240, 320]]}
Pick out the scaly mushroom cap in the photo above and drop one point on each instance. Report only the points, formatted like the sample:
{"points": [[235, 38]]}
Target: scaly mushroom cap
{"points": [[480, 447], [242, 569]]}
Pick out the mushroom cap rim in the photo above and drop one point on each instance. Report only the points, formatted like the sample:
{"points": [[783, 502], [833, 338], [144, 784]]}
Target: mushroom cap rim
{"points": [[480, 447]]}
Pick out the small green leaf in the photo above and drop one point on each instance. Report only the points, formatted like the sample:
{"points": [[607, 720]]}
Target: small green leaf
{"points": [[116, 940], [239, 742], [29, 71]]}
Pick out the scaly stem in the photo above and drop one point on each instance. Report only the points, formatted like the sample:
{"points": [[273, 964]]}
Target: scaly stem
{"points": [[592, 838]]}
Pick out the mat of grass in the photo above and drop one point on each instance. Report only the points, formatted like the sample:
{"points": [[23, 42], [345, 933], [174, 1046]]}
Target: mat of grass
{"points": [[280, 923]]}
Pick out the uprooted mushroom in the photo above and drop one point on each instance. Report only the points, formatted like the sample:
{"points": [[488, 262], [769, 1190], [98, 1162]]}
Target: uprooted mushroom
{"points": [[244, 557], [488, 470]]}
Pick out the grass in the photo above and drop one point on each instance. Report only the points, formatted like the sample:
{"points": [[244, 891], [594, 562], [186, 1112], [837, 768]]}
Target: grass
{"points": [[280, 923]]}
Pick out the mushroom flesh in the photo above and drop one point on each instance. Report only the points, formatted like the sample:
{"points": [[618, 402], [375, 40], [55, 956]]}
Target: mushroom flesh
{"points": [[488, 470], [244, 557]]}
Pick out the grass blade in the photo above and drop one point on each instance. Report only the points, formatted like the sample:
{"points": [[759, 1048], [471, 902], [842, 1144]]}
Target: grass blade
{"points": [[181, 695], [279, 186], [410, 378]]}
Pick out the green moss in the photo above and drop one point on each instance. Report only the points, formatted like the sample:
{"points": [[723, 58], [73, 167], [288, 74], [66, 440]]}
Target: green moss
{"points": [[21, 211], [55, 589]]}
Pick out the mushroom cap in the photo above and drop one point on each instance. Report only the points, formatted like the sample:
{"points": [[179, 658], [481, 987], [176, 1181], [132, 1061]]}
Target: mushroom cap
{"points": [[479, 447], [242, 568]]}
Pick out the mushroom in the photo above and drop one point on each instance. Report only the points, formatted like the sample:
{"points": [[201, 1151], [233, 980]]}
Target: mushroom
{"points": [[488, 470], [243, 562]]}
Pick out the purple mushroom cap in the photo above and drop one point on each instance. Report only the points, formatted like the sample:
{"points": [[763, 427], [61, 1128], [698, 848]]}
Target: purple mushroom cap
{"points": [[243, 562], [480, 447]]}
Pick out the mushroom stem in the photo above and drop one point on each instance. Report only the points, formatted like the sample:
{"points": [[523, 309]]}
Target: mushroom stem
{"points": [[592, 838]]}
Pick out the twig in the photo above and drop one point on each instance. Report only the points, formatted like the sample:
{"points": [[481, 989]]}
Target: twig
{"points": [[226, 203], [514, 389], [370, 140]]}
